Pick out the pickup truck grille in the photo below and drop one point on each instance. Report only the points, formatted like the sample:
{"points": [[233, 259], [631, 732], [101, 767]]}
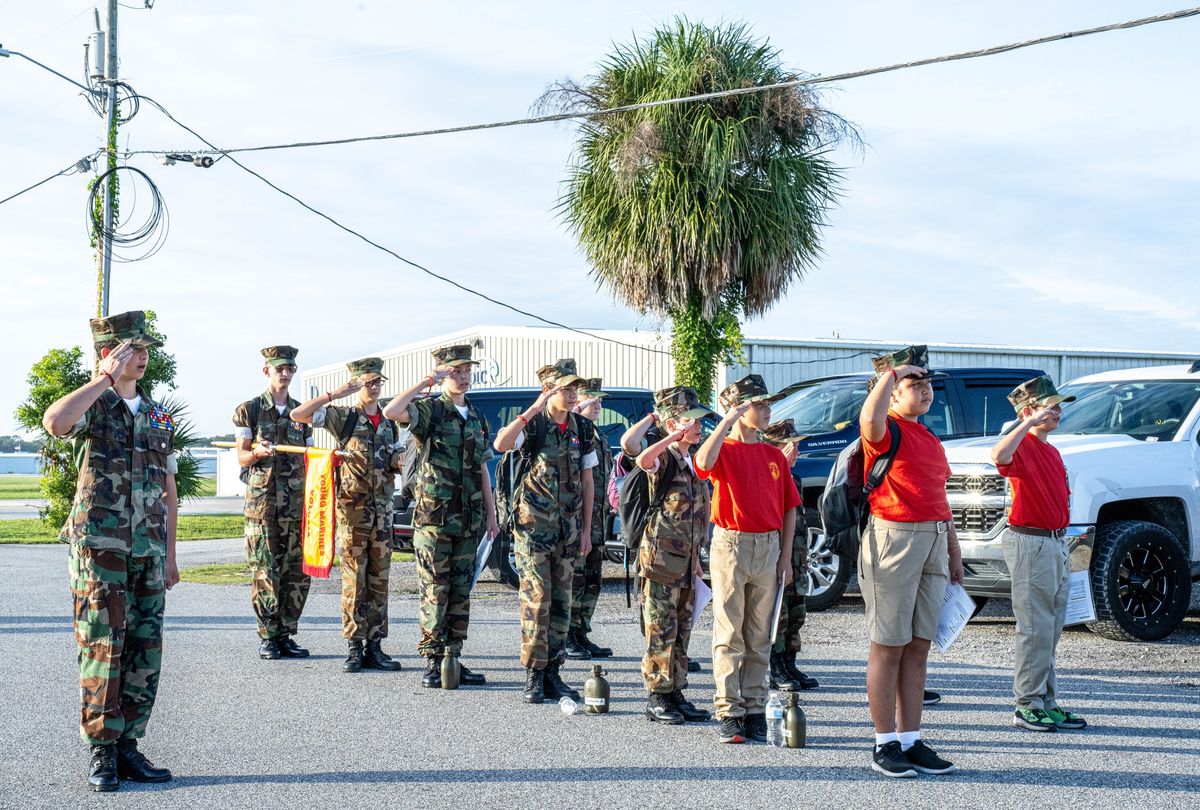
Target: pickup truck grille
{"points": [[976, 519], [976, 484]]}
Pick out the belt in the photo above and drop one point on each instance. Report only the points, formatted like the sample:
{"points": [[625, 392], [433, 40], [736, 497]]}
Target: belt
{"points": [[734, 534], [1035, 532], [940, 526]]}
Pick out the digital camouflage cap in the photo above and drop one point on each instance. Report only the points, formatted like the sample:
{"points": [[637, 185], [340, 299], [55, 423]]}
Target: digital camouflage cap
{"points": [[126, 326], [782, 432], [453, 356], [559, 375], [750, 388], [1037, 393], [908, 356], [593, 388], [367, 369], [679, 402], [280, 355]]}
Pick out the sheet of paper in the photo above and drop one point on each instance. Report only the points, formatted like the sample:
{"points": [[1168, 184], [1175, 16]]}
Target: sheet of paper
{"points": [[1080, 607], [481, 557], [702, 596], [779, 589], [957, 607]]}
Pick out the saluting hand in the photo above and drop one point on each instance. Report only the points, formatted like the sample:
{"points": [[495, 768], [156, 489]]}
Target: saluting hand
{"points": [[114, 365], [790, 451], [908, 371], [351, 386], [439, 374], [1042, 417], [735, 413]]}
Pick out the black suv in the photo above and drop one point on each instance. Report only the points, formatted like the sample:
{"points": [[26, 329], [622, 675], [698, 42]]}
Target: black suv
{"points": [[967, 402], [622, 407]]}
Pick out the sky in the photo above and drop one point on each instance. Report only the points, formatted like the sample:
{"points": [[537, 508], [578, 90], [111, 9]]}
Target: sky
{"points": [[1045, 197]]}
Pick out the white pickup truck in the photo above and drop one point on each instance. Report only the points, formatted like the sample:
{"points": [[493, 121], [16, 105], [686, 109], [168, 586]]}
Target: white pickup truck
{"points": [[1131, 444]]}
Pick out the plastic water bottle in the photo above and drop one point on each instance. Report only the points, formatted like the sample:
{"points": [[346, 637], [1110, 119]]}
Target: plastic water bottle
{"points": [[775, 721], [568, 706]]}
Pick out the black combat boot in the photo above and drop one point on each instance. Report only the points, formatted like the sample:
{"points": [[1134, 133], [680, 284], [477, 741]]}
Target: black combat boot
{"points": [[595, 649], [354, 660], [102, 770], [289, 648], [376, 658], [780, 677], [659, 709], [133, 765], [693, 665], [535, 686], [268, 650], [576, 651], [432, 679], [468, 678], [556, 687], [805, 681], [689, 710]]}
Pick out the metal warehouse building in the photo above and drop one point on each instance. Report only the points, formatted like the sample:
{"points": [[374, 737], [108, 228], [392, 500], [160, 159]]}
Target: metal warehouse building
{"points": [[512, 355]]}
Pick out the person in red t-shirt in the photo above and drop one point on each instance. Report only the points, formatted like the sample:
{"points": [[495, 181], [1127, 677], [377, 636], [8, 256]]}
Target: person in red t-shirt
{"points": [[754, 512], [908, 552], [1037, 551]]}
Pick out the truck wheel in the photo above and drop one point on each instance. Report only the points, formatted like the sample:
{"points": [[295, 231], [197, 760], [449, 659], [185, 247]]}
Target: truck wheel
{"points": [[504, 561], [828, 574], [1141, 582], [980, 604]]}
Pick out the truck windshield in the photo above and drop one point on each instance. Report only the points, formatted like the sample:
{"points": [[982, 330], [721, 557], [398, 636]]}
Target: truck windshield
{"points": [[824, 406], [1150, 410]]}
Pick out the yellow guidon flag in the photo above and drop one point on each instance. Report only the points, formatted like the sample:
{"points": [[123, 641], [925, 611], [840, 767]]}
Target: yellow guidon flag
{"points": [[320, 518]]}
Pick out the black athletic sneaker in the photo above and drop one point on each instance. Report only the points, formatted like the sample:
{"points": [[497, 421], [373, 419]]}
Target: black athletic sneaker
{"points": [[756, 726], [890, 761], [925, 760], [930, 698], [731, 730]]}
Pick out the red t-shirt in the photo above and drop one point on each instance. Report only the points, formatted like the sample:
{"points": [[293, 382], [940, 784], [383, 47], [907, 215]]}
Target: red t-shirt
{"points": [[752, 487], [375, 419], [1041, 496], [914, 489]]}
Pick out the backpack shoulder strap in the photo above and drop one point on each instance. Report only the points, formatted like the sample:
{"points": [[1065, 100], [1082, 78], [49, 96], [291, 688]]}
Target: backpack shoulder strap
{"points": [[348, 427], [255, 411], [535, 438], [670, 470], [879, 469]]}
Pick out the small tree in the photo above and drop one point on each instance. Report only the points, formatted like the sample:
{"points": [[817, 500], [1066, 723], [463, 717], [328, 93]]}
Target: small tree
{"points": [[60, 372], [702, 212]]}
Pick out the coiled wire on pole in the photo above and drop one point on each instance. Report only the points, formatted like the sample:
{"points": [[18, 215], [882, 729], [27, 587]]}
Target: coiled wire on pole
{"points": [[141, 241]]}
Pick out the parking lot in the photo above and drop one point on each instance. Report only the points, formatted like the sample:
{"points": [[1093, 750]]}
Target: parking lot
{"points": [[241, 732]]}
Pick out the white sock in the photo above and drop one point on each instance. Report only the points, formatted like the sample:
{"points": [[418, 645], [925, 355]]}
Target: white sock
{"points": [[883, 739], [907, 738]]}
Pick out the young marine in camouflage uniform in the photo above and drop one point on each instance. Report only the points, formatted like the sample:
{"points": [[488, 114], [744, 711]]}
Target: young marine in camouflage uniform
{"points": [[551, 526], [793, 611], [453, 494], [669, 555], [122, 536], [588, 580], [274, 505], [366, 483]]}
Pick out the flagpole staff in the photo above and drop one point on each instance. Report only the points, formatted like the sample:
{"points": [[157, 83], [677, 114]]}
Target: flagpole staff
{"points": [[279, 448]]}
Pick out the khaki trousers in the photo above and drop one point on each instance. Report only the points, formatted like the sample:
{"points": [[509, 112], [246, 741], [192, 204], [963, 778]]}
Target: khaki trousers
{"points": [[1040, 577], [742, 566]]}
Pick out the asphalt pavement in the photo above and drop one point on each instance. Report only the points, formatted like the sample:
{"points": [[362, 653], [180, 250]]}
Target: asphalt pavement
{"points": [[240, 732]]}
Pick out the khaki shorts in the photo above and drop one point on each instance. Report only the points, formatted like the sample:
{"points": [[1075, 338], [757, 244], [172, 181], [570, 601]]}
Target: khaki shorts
{"points": [[903, 569]]}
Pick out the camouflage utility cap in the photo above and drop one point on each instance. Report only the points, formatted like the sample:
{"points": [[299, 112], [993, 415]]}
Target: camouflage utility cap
{"points": [[367, 369], [593, 388], [909, 356], [679, 402], [127, 326], [280, 355], [1037, 393], [559, 375], [453, 356], [750, 388], [782, 432]]}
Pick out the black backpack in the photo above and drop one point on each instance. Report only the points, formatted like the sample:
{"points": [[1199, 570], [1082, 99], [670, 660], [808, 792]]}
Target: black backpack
{"points": [[843, 505], [514, 464], [255, 410], [634, 505]]}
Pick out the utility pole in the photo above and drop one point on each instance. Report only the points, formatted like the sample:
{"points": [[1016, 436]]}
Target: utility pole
{"points": [[104, 239]]}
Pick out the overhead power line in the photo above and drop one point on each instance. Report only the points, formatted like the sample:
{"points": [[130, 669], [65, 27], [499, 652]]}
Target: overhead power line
{"points": [[388, 250], [82, 165], [739, 91]]}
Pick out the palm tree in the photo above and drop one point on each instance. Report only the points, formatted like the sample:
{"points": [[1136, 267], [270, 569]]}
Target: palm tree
{"points": [[707, 211]]}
